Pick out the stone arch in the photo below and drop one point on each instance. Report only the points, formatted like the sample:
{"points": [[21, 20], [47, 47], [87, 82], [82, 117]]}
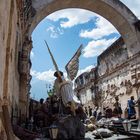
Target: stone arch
{"points": [[113, 10]]}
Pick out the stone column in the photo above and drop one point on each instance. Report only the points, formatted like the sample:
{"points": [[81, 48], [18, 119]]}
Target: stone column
{"points": [[25, 77]]}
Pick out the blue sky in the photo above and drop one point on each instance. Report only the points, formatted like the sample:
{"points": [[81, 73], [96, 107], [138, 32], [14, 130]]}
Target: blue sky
{"points": [[64, 31]]}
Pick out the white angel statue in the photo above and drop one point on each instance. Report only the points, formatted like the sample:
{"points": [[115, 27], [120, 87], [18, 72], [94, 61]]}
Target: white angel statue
{"points": [[64, 88]]}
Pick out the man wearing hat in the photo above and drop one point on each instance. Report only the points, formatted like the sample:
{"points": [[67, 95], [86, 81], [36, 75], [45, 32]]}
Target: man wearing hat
{"points": [[64, 90], [117, 108]]}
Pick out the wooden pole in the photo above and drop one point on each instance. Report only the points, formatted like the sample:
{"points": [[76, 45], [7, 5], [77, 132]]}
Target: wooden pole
{"points": [[54, 62]]}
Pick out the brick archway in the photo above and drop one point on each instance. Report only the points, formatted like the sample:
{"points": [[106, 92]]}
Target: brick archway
{"points": [[113, 10], [18, 23]]}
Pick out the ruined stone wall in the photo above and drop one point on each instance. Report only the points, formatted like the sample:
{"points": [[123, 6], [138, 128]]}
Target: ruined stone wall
{"points": [[83, 86], [9, 76], [15, 50], [3, 39], [118, 77]]}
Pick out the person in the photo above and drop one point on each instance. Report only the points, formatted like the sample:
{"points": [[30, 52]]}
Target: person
{"points": [[54, 104], [58, 80], [126, 112], [80, 112], [108, 112], [95, 111], [99, 114], [41, 103], [47, 109], [89, 111], [64, 90], [39, 114], [117, 108], [131, 108], [86, 111]]}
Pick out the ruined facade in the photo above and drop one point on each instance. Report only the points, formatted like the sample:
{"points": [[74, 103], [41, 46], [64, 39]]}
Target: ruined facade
{"points": [[85, 87], [18, 18], [116, 75]]}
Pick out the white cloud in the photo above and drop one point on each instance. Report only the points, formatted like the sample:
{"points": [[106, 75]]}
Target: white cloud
{"points": [[103, 28], [44, 76], [71, 17], [87, 69], [32, 54], [54, 31], [96, 47], [133, 5], [47, 76]]}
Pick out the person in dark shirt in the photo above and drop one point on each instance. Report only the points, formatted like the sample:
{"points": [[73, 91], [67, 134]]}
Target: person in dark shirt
{"points": [[108, 112], [99, 114], [86, 111], [54, 105], [95, 111], [90, 111]]}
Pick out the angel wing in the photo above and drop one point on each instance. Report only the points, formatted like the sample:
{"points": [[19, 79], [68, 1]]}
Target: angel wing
{"points": [[73, 65]]}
